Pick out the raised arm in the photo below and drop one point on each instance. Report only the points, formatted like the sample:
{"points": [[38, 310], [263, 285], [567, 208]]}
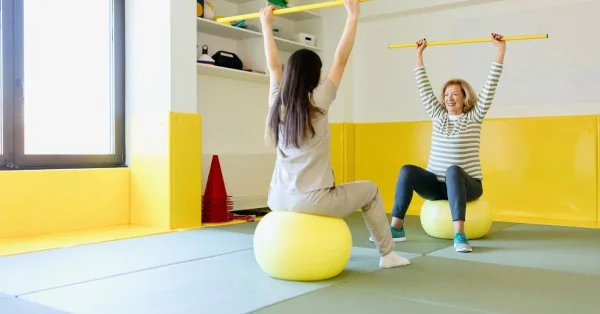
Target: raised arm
{"points": [[273, 61], [488, 91], [344, 48], [428, 99]]}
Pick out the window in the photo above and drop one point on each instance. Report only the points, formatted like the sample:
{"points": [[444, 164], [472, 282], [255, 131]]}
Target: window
{"points": [[62, 83]]}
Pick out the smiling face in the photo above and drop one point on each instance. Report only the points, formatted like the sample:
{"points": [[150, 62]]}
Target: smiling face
{"points": [[454, 99], [458, 96]]}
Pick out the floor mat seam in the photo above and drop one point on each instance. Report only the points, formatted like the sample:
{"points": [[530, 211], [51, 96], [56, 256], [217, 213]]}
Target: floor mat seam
{"points": [[126, 273]]}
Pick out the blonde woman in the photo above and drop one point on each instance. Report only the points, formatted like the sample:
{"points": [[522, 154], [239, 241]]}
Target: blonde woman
{"points": [[453, 172]]}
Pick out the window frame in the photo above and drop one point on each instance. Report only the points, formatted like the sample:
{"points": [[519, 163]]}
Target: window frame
{"points": [[6, 91], [18, 159]]}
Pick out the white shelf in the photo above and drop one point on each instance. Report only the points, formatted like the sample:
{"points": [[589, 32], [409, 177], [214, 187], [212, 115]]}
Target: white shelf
{"points": [[223, 30], [298, 16], [213, 70]]}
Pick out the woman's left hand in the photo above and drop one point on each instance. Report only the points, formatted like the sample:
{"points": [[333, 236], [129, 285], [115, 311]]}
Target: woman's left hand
{"points": [[266, 15], [498, 40]]}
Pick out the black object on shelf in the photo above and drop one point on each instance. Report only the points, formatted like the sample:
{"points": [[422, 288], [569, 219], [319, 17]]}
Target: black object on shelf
{"points": [[228, 60]]}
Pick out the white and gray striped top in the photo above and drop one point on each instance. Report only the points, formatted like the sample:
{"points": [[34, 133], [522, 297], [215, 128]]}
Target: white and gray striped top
{"points": [[455, 140]]}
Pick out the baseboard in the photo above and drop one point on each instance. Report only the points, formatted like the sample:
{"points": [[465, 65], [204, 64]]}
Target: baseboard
{"points": [[241, 203]]}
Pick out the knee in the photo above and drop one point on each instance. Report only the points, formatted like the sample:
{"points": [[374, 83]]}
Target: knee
{"points": [[368, 186], [372, 190], [406, 172], [454, 172], [372, 187]]}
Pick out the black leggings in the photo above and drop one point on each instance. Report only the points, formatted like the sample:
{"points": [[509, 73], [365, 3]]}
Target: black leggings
{"points": [[458, 189]]}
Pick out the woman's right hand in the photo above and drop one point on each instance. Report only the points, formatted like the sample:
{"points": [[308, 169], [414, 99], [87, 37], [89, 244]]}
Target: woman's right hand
{"points": [[421, 44]]}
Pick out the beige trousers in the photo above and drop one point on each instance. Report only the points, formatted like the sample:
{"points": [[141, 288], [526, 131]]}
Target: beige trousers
{"points": [[341, 201]]}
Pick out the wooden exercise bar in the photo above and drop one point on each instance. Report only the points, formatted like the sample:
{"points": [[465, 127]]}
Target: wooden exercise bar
{"points": [[301, 8], [469, 41]]}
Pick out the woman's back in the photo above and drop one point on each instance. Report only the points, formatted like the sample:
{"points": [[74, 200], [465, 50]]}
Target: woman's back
{"points": [[307, 167]]}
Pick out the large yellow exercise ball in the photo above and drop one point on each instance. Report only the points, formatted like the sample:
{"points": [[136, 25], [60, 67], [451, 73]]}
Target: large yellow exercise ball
{"points": [[436, 219], [302, 247]]}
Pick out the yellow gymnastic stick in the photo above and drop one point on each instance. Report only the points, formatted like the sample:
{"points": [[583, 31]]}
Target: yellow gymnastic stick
{"points": [[469, 41], [301, 8]]}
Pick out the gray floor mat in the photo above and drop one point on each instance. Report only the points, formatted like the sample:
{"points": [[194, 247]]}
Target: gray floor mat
{"points": [[483, 287], [12, 305], [20, 274], [231, 283], [569, 249]]}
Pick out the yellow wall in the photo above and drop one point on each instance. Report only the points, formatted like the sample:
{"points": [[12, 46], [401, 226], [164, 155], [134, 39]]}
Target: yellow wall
{"points": [[536, 170], [149, 151], [186, 171], [337, 151], [51, 201], [166, 171], [342, 151], [161, 191]]}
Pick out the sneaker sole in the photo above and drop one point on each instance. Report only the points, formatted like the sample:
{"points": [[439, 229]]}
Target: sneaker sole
{"points": [[403, 239], [465, 250]]}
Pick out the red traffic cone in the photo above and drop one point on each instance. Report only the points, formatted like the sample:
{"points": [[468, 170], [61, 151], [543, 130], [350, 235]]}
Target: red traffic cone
{"points": [[216, 204]]}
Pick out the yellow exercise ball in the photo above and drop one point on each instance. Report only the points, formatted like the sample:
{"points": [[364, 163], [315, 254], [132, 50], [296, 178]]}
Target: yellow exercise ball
{"points": [[436, 219], [302, 247]]}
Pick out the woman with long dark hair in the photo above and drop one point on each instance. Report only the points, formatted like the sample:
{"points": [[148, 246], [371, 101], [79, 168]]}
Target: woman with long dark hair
{"points": [[298, 126]]}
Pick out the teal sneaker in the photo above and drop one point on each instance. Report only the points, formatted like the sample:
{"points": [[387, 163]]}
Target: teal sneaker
{"points": [[461, 243], [397, 234]]}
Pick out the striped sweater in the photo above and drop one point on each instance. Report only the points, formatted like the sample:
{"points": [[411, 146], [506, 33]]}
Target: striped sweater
{"points": [[455, 140]]}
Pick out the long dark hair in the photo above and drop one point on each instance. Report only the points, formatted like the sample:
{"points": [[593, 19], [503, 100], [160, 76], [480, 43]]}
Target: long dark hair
{"points": [[292, 106]]}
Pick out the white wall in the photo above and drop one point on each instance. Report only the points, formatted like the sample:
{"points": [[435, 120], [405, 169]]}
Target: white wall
{"points": [[183, 56], [160, 62], [147, 65], [554, 76], [148, 55]]}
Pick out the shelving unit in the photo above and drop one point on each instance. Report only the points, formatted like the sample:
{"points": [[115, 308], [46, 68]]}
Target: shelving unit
{"points": [[232, 102], [249, 41], [238, 33]]}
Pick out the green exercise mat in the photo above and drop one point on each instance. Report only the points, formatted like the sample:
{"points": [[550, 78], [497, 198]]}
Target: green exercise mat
{"points": [[569, 249], [482, 287]]}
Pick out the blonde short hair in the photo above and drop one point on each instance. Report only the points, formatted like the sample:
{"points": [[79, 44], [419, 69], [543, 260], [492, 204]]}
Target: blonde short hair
{"points": [[468, 93]]}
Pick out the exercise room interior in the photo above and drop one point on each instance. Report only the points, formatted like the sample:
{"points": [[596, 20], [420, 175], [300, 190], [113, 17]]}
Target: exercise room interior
{"points": [[135, 174]]}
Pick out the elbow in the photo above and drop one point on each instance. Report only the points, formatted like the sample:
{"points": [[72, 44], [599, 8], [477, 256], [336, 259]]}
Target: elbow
{"points": [[276, 67]]}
